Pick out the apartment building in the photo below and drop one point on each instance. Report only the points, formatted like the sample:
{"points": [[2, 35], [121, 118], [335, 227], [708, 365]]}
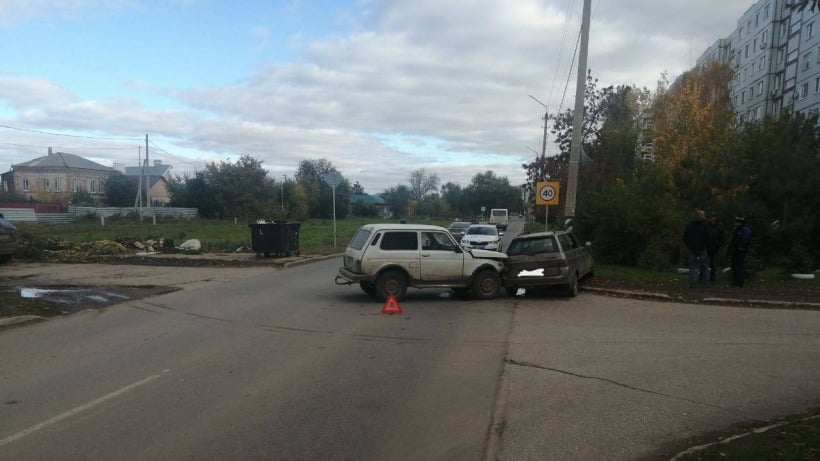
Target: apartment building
{"points": [[775, 54]]}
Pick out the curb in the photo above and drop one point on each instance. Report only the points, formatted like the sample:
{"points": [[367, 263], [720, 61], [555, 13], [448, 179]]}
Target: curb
{"points": [[20, 320], [666, 297]]}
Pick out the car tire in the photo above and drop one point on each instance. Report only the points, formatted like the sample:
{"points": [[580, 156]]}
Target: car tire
{"points": [[572, 288], [368, 287], [391, 282], [486, 285]]}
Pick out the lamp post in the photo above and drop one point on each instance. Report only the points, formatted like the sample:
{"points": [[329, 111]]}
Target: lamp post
{"points": [[282, 193]]}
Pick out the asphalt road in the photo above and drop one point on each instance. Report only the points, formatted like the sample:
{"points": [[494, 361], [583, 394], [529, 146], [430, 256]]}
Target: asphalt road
{"points": [[286, 365]]}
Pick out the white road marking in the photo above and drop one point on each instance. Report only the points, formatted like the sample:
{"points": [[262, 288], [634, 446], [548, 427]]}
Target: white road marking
{"points": [[74, 411]]}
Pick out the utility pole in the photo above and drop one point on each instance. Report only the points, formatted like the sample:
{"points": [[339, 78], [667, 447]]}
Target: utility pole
{"points": [[138, 198], [544, 141], [578, 119], [147, 192]]}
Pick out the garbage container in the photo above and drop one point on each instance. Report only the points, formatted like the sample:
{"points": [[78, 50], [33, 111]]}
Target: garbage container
{"points": [[277, 237]]}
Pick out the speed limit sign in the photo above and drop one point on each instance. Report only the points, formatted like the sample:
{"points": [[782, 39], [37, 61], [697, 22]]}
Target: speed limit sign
{"points": [[547, 193]]}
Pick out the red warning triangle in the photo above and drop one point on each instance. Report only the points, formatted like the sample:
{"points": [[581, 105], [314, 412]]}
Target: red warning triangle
{"points": [[391, 306]]}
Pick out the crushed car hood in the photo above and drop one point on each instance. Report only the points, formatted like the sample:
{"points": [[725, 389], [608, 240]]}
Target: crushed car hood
{"points": [[488, 254]]}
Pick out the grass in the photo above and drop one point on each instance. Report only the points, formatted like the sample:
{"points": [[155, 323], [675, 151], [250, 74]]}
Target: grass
{"points": [[316, 236], [797, 440]]}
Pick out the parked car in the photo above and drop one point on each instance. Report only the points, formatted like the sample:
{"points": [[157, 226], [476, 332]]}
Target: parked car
{"points": [[546, 259], [482, 236], [8, 239], [385, 259], [457, 229]]}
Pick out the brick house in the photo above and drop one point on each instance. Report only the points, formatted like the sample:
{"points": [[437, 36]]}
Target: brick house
{"points": [[54, 177]]}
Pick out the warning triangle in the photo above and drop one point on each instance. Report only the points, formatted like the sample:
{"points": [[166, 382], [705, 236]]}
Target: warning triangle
{"points": [[391, 306]]}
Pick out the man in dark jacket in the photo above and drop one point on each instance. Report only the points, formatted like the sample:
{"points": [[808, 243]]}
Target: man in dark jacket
{"points": [[738, 247], [695, 237], [715, 241]]}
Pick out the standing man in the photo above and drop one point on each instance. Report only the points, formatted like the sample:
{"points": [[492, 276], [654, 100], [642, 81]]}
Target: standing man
{"points": [[695, 237], [715, 241], [738, 247]]}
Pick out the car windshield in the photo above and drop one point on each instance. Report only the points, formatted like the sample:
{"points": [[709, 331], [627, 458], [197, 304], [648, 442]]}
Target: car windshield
{"points": [[482, 230], [544, 244]]}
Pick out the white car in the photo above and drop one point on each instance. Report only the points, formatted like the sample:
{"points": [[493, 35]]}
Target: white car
{"points": [[482, 237], [385, 259]]}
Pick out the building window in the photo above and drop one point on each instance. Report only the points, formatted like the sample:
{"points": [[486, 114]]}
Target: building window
{"points": [[806, 61], [25, 184], [743, 96], [757, 113], [818, 54], [746, 51], [810, 29], [58, 184], [765, 37], [804, 90], [75, 185], [759, 88], [817, 85], [762, 64], [766, 11]]}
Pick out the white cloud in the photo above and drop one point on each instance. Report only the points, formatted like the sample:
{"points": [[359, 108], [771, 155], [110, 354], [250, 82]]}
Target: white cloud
{"points": [[455, 74]]}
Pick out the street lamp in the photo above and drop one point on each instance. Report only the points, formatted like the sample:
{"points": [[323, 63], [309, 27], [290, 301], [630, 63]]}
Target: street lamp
{"points": [[282, 188]]}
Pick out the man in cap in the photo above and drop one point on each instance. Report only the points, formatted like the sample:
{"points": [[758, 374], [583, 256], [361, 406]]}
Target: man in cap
{"points": [[738, 247]]}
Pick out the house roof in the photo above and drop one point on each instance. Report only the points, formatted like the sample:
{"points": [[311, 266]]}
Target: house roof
{"points": [[151, 179], [64, 160], [157, 170], [365, 198]]}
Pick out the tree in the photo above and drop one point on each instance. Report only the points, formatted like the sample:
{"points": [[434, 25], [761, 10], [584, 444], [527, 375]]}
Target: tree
{"points": [[422, 183], [490, 191], [357, 189], [193, 192], [120, 190], [397, 199], [319, 195], [242, 188], [693, 124], [82, 198], [453, 196]]}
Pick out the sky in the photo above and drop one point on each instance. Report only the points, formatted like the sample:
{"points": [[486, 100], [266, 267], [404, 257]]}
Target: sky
{"points": [[378, 88]]}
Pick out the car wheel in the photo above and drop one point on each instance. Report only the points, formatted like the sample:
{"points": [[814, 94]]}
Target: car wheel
{"points": [[391, 282], [572, 288], [486, 285], [368, 287]]}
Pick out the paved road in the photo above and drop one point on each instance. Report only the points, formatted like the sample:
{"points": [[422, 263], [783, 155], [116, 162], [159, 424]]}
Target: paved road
{"points": [[285, 365]]}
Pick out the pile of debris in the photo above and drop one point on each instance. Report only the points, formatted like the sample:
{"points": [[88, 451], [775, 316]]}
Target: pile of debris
{"points": [[63, 250], [153, 247]]}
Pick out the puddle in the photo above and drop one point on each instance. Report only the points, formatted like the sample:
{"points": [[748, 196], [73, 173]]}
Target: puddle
{"points": [[69, 295]]}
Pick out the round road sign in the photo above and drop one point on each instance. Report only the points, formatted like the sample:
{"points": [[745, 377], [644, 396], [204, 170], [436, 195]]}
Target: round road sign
{"points": [[547, 193]]}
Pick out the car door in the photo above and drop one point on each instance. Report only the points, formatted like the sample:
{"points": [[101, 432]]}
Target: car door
{"points": [[441, 258], [576, 255], [399, 248]]}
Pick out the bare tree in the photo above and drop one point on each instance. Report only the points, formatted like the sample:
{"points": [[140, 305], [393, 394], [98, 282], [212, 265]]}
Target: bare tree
{"points": [[422, 183]]}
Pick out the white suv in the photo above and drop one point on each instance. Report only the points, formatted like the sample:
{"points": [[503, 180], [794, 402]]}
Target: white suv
{"points": [[384, 259]]}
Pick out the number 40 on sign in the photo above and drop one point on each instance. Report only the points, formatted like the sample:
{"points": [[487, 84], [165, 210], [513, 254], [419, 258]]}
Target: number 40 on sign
{"points": [[547, 193]]}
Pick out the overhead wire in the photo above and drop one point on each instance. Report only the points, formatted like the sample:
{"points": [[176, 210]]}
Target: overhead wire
{"points": [[67, 135]]}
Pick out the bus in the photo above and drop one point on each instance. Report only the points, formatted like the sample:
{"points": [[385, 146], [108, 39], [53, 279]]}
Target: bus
{"points": [[499, 217]]}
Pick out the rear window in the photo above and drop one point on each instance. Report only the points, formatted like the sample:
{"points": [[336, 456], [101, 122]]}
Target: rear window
{"points": [[360, 239], [401, 240], [499, 212], [532, 246]]}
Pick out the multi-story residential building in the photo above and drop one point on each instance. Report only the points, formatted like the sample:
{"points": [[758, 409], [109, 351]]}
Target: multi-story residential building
{"points": [[775, 54], [54, 177]]}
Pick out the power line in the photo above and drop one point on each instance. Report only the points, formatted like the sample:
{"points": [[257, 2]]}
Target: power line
{"points": [[67, 135]]}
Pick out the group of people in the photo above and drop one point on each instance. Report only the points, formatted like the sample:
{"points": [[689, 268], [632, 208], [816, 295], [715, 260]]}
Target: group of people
{"points": [[704, 237]]}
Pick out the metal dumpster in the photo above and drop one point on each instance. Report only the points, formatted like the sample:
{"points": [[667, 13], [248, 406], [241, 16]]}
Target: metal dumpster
{"points": [[277, 238]]}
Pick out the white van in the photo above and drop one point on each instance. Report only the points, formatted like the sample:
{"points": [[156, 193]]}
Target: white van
{"points": [[499, 217]]}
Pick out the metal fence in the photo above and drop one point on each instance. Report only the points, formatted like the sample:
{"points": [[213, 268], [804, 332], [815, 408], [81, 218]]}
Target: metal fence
{"points": [[76, 212], [160, 212]]}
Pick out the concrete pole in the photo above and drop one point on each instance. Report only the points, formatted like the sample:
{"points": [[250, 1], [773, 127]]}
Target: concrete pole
{"points": [[578, 119]]}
